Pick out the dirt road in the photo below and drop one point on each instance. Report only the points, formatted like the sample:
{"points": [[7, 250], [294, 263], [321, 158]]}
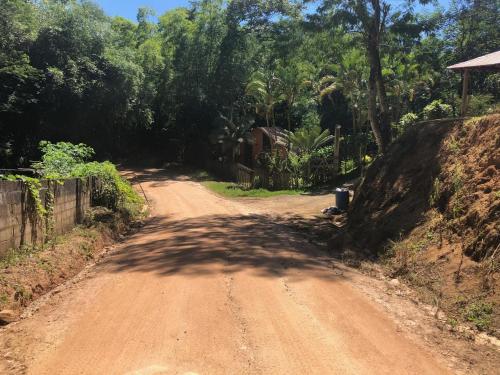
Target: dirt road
{"points": [[210, 286]]}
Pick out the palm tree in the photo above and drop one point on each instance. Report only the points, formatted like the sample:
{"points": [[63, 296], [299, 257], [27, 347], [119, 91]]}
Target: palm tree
{"points": [[349, 77], [292, 81], [351, 80], [307, 140], [265, 90], [405, 79]]}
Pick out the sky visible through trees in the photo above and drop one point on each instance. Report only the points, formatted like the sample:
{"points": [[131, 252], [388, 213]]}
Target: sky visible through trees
{"points": [[128, 9], [171, 83]]}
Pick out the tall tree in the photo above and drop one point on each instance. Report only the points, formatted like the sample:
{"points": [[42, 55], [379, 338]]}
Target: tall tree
{"points": [[69, 72], [368, 17], [265, 90], [145, 28]]}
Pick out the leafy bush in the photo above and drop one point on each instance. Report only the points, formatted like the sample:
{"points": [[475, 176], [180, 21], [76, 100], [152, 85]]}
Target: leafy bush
{"points": [[408, 120], [323, 152], [480, 104], [275, 170], [59, 159], [66, 160], [298, 166], [347, 166], [309, 139], [437, 109], [311, 119], [115, 192]]}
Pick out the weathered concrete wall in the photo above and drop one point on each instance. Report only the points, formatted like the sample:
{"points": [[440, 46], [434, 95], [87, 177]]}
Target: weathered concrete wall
{"points": [[18, 227]]}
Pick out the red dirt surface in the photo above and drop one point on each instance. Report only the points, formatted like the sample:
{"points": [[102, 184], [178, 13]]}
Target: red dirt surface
{"points": [[212, 286]]}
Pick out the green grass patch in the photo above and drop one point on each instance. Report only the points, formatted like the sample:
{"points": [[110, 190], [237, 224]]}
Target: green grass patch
{"points": [[13, 257], [479, 313], [231, 190]]}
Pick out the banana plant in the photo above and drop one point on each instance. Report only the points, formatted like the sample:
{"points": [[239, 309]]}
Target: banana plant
{"points": [[231, 132]]}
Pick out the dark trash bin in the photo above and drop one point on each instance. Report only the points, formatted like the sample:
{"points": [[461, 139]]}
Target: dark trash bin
{"points": [[342, 199]]}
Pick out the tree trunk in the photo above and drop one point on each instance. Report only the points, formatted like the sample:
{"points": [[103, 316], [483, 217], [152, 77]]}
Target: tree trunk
{"points": [[289, 120], [372, 112], [381, 128], [385, 118], [275, 131], [378, 90], [288, 147], [356, 134], [336, 154]]}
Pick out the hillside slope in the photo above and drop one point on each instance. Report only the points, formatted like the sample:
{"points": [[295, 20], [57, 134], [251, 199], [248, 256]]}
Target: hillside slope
{"points": [[430, 209]]}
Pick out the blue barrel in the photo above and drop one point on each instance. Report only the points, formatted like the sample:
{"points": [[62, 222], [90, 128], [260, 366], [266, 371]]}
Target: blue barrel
{"points": [[342, 199]]}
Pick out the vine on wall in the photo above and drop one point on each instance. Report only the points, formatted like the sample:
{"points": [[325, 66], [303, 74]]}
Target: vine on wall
{"points": [[37, 210]]}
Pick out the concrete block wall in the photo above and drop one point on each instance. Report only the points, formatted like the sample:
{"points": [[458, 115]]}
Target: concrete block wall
{"points": [[71, 199]]}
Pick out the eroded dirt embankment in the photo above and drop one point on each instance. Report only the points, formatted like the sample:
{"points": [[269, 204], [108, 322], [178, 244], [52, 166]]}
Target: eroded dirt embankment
{"points": [[28, 273], [430, 209]]}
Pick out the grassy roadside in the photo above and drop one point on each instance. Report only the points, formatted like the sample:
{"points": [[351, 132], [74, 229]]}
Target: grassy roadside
{"points": [[231, 190]]}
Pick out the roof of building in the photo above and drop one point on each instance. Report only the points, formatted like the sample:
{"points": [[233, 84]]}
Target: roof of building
{"points": [[490, 61], [275, 134]]}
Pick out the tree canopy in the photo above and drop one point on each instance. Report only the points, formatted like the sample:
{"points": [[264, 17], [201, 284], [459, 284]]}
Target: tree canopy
{"points": [[71, 73]]}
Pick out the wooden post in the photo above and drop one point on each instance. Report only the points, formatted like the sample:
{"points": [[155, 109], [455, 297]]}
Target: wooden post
{"points": [[465, 92], [336, 155]]}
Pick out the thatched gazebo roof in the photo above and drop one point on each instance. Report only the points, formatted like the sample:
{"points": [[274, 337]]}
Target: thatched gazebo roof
{"points": [[276, 135]]}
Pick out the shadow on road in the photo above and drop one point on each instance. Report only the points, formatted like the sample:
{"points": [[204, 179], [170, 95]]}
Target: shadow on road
{"points": [[159, 175], [203, 245]]}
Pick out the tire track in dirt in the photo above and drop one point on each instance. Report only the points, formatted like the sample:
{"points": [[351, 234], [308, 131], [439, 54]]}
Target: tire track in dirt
{"points": [[211, 286]]}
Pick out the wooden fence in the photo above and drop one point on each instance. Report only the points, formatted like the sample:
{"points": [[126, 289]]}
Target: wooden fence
{"points": [[244, 176]]}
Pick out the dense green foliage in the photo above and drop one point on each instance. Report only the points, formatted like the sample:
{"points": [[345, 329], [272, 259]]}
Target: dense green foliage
{"points": [[70, 73], [407, 120], [115, 192], [59, 160], [436, 110], [305, 140], [65, 160]]}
